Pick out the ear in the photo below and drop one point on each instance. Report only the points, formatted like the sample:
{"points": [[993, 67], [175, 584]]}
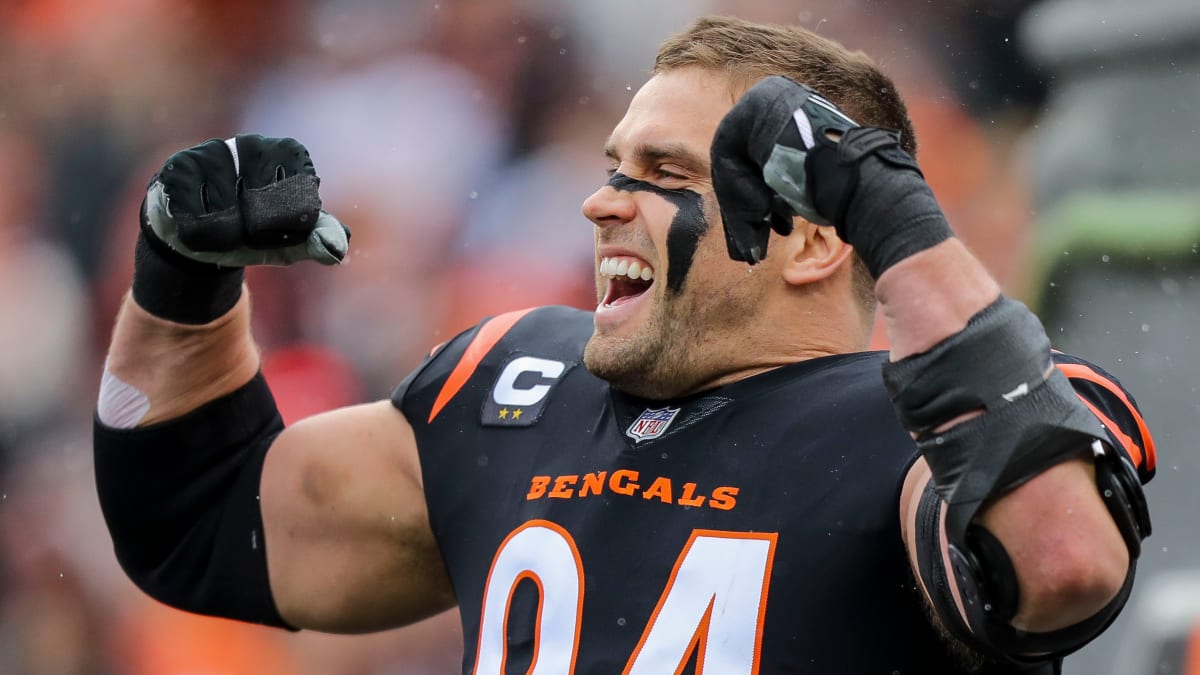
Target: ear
{"points": [[814, 253]]}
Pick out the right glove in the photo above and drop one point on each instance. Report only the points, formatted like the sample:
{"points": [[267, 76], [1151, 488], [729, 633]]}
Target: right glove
{"points": [[250, 200], [220, 206]]}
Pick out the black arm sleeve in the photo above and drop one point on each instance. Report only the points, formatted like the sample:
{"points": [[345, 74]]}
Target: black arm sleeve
{"points": [[181, 502]]}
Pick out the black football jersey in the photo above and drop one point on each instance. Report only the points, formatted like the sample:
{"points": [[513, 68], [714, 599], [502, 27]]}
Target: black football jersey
{"points": [[753, 528]]}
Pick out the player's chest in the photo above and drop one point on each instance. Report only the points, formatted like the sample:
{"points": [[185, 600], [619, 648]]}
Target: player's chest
{"points": [[595, 555]]}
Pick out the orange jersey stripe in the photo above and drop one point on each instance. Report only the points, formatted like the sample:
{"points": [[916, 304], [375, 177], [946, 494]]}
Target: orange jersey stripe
{"points": [[1080, 371], [1135, 453], [487, 337]]}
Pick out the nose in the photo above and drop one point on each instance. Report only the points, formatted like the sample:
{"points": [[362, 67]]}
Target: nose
{"points": [[609, 206]]}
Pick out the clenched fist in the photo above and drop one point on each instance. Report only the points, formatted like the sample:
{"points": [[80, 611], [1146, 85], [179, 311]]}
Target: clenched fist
{"points": [[249, 200]]}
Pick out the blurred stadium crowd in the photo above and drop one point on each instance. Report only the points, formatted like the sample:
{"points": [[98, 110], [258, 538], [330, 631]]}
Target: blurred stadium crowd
{"points": [[457, 139]]}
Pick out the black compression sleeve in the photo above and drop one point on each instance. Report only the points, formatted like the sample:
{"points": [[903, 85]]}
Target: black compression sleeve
{"points": [[175, 288], [181, 501]]}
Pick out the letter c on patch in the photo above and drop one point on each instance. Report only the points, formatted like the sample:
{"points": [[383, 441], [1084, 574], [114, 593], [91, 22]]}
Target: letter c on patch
{"points": [[506, 391]]}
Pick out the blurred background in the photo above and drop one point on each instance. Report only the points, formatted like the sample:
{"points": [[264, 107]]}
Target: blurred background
{"points": [[457, 138]]}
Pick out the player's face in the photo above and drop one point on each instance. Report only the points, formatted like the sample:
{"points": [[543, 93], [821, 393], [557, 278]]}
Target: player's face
{"points": [[670, 300]]}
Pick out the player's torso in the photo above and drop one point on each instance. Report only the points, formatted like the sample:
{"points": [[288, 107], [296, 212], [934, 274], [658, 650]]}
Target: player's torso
{"points": [[755, 529]]}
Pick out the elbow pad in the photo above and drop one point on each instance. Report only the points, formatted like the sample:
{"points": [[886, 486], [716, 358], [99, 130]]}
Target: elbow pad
{"points": [[988, 584], [181, 502], [1033, 420]]}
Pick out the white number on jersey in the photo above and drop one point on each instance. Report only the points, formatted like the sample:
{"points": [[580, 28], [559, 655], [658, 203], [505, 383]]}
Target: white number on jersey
{"points": [[715, 601]]}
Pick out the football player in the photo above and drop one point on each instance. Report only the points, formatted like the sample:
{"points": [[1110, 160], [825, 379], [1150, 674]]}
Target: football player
{"points": [[708, 473]]}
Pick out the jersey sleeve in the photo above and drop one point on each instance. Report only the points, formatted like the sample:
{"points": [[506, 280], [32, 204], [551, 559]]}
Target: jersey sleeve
{"points": [[449, 366], [1116, 410]]}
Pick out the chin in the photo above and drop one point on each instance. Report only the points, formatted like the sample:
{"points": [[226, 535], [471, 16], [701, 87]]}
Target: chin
{"points": [[634, 367], [617, 360]]}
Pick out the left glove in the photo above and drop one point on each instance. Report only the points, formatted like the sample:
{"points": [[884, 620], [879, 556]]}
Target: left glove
{"points": [[783, 150]]}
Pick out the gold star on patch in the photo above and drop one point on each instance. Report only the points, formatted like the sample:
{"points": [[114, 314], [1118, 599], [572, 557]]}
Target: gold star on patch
{"points": [[504, 413], [517, 414]]}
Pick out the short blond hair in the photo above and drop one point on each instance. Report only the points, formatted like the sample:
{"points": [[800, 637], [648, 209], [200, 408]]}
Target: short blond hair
{"points": [[747, 52]]}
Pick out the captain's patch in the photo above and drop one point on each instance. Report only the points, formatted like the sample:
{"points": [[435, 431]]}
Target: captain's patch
{"points": [[522, 390]]}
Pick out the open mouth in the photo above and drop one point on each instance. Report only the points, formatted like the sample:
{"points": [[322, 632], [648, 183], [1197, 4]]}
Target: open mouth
{"points": [[628, 279]]}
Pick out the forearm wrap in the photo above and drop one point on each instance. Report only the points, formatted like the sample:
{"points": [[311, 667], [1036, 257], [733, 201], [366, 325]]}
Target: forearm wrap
{"points": [[172, 287], [1000, 364], [181, 501]]}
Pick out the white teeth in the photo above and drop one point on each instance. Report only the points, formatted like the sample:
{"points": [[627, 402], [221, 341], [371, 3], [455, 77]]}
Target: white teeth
{"points": [[624, 267]]}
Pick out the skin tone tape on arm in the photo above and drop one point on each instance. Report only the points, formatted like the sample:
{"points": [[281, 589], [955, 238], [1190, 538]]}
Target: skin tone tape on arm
{"points": [[120, 405]]}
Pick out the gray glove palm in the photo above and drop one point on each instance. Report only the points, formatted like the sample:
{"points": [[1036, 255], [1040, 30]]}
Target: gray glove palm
{"points": [[760, 162]]}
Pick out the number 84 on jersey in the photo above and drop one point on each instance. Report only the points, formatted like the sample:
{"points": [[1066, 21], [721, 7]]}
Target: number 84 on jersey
{"points": [[712, 607]]}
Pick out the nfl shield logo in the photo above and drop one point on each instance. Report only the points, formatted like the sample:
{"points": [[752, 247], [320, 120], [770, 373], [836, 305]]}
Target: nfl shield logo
{"points": [[651, 424]]}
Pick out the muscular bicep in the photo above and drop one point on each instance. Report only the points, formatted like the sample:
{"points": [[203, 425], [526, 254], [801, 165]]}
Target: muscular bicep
{"points": [[349, 545]]}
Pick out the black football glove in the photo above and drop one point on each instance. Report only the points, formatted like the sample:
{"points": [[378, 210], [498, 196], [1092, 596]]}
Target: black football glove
{"points": [[783, 150], [250, 200]]}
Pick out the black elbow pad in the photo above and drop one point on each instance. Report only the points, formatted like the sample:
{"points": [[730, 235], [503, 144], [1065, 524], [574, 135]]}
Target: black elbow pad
{"points": [[181, 502]]}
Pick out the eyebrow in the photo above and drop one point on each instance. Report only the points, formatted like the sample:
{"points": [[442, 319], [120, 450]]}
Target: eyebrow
{"points": [[647, 154]]}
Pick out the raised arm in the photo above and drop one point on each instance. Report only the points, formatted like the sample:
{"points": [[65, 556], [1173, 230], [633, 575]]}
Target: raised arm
{"points": [[213, 506], [1027, 549], [1061, 560]]}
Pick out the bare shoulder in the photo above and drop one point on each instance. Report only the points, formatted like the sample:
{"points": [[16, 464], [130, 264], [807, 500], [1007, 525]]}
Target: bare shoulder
{"points": [[349, 545], [325, 450]]}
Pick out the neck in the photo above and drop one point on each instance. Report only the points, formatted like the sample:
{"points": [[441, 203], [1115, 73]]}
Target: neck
{"points": [[786, 332]]}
